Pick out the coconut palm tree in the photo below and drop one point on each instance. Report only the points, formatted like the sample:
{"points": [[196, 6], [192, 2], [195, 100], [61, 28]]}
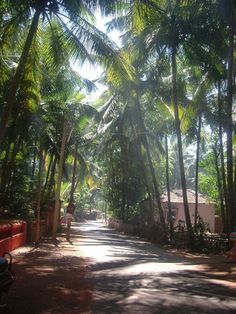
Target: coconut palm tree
{"points": [[158, 27], [72, 35]]}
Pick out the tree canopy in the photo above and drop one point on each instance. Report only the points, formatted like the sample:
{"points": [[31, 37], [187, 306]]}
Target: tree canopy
{"points": [[165, 121]]}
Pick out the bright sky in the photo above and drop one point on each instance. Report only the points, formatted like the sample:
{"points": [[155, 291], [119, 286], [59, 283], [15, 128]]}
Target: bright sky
{"points": [[91, 72]]}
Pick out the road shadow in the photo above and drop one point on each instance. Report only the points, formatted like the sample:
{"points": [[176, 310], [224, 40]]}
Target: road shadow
{"points": [[49, 279], [139, 277]]}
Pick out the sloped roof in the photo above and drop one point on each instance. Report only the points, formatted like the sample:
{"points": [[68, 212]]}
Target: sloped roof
{"points": [[176, 196]]}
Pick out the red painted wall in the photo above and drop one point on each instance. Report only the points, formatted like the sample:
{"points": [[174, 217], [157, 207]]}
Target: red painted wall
{"points": [[12, 236]]}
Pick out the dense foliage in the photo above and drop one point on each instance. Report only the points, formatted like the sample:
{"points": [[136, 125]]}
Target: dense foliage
{"points": [[166, 120]]}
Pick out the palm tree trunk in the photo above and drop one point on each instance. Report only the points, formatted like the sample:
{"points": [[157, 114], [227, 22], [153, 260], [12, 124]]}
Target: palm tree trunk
{"points": [[180, 149], [197, 167], [105, 211], [168, 190], [142, 164], [222, 209], [229, 125], [38, 205], [10, 165], [222, 162], [124, 166], [47, 175], [124, 157], [145, 180], [152, 171], [59, 179], [235, 176], [73, 181], [11, 99], [34, 165], [50, 189], [4, 173], [12, 138]]}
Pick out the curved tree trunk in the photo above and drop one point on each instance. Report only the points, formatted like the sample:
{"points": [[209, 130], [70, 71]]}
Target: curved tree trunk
{"points": [[11, 99]]}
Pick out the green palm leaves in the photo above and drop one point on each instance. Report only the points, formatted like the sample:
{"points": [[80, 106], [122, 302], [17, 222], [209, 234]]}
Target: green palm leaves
{"points": [[70, 35]]}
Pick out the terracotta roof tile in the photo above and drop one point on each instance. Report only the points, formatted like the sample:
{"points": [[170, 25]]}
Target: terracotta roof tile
{"points": [[176, 197]]}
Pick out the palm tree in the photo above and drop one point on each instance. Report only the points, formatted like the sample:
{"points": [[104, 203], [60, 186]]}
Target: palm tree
{"points": [[72, 35], [65, 135], [229, 102], [219, 63], [160, 28], [130, 95]]}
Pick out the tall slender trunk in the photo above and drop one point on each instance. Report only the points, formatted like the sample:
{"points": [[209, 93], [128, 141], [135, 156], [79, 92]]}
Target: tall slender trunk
{"points": [[144, 177], [11, 99], [142, 164], [124, 166], [235, 176], [168, 190], [51, 180], [222, 162], [229, 124], [222, 209], [12, 138], [47, 175], [180, 149], [105, 211], [4, 174], [10, 165], [73, 181], [39, 190], [124, 156], [59, 179], [152, 171], [197, 167], [34, 165]]}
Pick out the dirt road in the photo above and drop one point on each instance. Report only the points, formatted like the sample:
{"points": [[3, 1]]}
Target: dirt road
{"points": [[107, 272], [129, 275]]}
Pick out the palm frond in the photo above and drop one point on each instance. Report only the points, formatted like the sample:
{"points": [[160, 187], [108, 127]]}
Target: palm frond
{"points": [[54, 47], [94, 42]]}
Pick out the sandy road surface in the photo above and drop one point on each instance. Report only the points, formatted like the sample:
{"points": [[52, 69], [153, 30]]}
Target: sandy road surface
{"points": [[129, 275], [103, 271]]}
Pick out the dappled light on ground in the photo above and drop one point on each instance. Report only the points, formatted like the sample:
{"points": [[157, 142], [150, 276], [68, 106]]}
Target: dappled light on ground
{"points": [[49, 279], [129, 275], [103, 271]]}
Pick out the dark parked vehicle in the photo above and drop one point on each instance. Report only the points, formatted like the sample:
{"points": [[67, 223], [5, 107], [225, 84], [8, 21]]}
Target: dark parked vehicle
{"points": [[6, 275]]}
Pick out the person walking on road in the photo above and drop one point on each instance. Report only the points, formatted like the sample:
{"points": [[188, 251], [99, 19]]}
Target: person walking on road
{"points": [[69, 216]]}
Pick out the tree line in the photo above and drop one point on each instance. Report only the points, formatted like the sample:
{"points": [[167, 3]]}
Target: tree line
{"points": [[166, 120]]}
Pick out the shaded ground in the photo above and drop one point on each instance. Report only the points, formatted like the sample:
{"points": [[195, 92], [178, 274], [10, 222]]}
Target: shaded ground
{"points": [[49, 279], [107, 272]]}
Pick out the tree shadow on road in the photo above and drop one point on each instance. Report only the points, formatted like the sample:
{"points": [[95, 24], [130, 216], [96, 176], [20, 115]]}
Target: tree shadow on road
{"points": [[49, 279], [141, 277]]}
